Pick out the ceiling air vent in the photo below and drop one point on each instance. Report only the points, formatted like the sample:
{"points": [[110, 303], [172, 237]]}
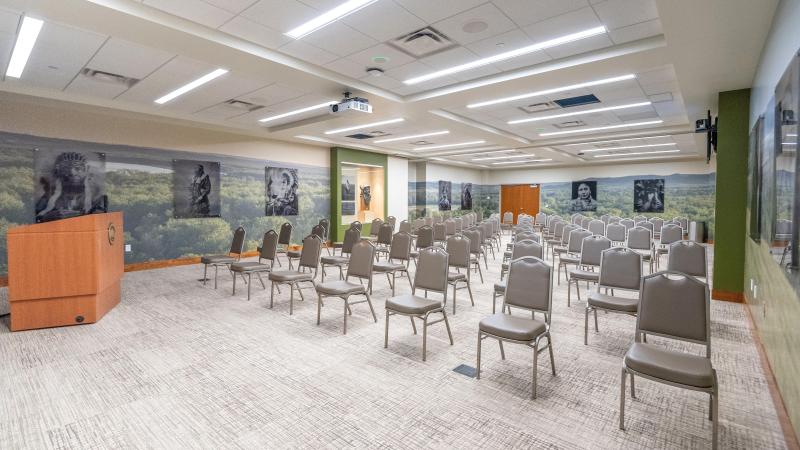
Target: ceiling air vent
{"points": [[241, 105], [423, 42], [370, 135], [108, 77], [577, 101], [539, 107], [570, 124], [638, 116]]}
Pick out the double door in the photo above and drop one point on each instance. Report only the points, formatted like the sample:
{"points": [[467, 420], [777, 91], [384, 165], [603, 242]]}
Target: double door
{"points": [[519, 199]]}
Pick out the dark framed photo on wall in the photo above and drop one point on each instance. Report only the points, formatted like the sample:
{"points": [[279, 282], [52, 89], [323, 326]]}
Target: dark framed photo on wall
{"points": [[282, 186], [466, 196], [648, 196], [584, 196], [195, 189], [445, 195], [69, 184]]}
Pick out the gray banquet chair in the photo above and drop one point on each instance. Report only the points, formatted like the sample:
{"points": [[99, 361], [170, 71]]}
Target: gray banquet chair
{"points": [[459, 256], [475, 249], [449, 227], [639, 240], [268, 251], [508, 220], [675, 306], [326, 225], [309, 259], [562, 245], [688, 257], [351, 237], [530, 287], [384, 240], [627, 223], [318, 231], [284, 239], [657, 222], [392, 220], [615, 232], [405, 226], [597, 227], [621, 269], [431, 275], [521, 249], [234, 254], [375, 226], [399, 258], [439, 233], [424, 240], [361, 259], [669, 233], [572, 253], [591, 251]]}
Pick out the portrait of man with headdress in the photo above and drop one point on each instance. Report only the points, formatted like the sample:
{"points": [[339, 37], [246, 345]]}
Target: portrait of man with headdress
{"points": [[69, 184], [282, 196], [195, 190]]}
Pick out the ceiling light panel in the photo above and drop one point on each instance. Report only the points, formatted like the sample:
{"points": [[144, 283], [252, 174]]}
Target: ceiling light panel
{"points": [[553, 90], [611, 149], [26, 40], [522, 162], [298, 111], [618, 140], [609, 127], [191, 86], [414, 136], [580, 113], [366, 125], [458, 144], [490, 158], [620, 155], [328, 17]]}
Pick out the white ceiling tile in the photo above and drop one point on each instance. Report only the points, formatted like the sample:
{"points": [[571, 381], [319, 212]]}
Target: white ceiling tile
{"points": [[7, 41], [340, 39], [434, 10], [496, 23], [224, 88], [621, 13], [9, 21], [659, 75], [272, 94], [194, 10], [255, 32], [384, 82], [373, 22], [449, 58], [347, 68], [172, 75], [280, 15], [578, 47], [234, 6], [637, 31], [307, 52], [395, 57], [86, 86], [563, 25], [286, 106], [126, 58], [505, 42], [476, 73], [526, 12], [659, 88]]}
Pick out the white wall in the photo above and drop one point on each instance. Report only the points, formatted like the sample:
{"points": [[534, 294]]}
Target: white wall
{"points": [[560, 174], [398, 173], [782, 42], [436, 172]]}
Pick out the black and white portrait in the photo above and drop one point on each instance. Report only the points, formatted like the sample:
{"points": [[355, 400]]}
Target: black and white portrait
{"points": [[584, 196], [282, 195], [69, 184], [366, 197], [348, 208], [648, 195], [445, 195], [348, 187], [195, 189], [466, 195]]}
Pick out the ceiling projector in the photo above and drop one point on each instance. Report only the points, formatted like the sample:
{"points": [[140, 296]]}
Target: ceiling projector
{"points": [[351, 104]]}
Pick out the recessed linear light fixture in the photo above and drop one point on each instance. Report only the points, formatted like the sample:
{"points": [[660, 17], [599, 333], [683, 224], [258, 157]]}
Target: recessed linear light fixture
{"points": [[191, 86], [626, 147], [610, 127], [580, 113], [28, 33], [328, 17], [403, 138], [297, 111], [508, 55], [459, 144], [522, 162], [553, 91], [621, 155], [504, 157], [366, 125], [474, 151], [618, 140]]}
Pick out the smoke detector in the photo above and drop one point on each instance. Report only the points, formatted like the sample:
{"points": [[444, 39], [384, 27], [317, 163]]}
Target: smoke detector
{"points": [[374, 71]]}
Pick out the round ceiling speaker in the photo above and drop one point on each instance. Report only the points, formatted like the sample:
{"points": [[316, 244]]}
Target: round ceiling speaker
{"points": [[475, 26]]}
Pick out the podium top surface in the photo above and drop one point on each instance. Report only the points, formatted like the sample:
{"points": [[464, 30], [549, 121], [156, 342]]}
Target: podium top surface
{"points": [[88, 222]]}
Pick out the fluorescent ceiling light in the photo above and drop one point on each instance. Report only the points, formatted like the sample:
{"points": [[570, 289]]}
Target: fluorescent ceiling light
{"points": [[789, 143], [470, 152], [522, 162], [610, 127], [508, 55], [460, 144], [297, 111], [791, 135], [553, 91], [191, 86], [403, 138], [28, 33], [580, 113], [313, 138], [590, 150], [504, 157], [346, 8], [366, 125], [636, 153], [618, 140]]}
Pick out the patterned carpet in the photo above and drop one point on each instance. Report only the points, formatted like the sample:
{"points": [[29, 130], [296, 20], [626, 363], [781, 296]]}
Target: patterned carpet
{"points": [[179, 365]]}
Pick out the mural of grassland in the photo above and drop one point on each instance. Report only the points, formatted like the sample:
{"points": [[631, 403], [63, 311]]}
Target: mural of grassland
{"points": [[687, 195], [139, 183], [423, 199]]}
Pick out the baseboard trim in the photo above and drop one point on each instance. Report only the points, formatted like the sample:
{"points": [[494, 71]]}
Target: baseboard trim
{"points": [[727, 296]]}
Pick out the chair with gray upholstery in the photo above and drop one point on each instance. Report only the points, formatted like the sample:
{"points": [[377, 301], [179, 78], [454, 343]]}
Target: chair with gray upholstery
{"points": [[557, 248], [428, 221], [309, 259], [458, 251], [475, 249], [361, 259], [399, 258], [392, 220], [614, 219], [375, 226], [508, 220], [326, 225], [431, 276], [604, 218], [620, 269], [638, 219], [684, 223], [267, 251], [572, 254], [688, 257], [585, 222], [284, 239], [459, 223], [530, 284], [384, 241], [649, 225], [657, 222], [439, 233], [318, 231], [487, 231], [234, 254], [405, 226], [576, 219], [592, 249], [351, 236], [597, 227], [615, 232], [673, 306], [639, 240], [520, 250], [627, 223], [424, 240], [449, 227], [669, 233]]}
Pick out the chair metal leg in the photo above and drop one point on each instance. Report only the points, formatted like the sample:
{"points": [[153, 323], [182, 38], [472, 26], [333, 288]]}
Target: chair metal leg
{"points": [[569, 292], [215, 276], [578, 289], [205, 274], [386, 337], [234, 285], [596, 329], [633, 389], [346, 309], [250, 282], [550, 347], [535, 364], [291, 297], [271, 294], [469, 289], [447, 325], [371, 309], [413, 324], [622, 400], [715, 414], [494, 301], [502, 351], [478, 365], [424, 336], [586, 327], [319, 306], [455, 288]]}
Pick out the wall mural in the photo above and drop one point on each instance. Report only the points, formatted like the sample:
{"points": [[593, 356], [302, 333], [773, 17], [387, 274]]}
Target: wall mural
{"points": [[584, 196], [69, 184], [282, 184], [195, 189], [445, 195], [648, 196], [466, 195], [423, 198]]}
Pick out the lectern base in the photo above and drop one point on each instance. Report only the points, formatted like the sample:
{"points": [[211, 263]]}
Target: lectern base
{"points": [[63, 311]]}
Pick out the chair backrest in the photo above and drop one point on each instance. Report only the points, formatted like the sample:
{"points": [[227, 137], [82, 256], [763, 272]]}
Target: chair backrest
{"points": [[648, 225], [385, 233], [526, 248], [375, 227], [458, 251], [604, 218], [486, 230], [428, 221], [478, 216], [449, 227], [530, 235], [432, 269], [638, 219], [401, 246], [615, 232], [319, 231], [575, 240], [309, 256], [620, 268], [614, 219], [439, 232], [508, 217], [405, 226], [392, 220], [459, 223], [424, 237], [327, 226], [474, 237], [597, 227], [639, 238], [285, 236], [558, 228], [684, 222], [592, 249], [541, 218], [657, 222], [361, 259], [566, 231], [438, 219], [674, 305], [585, 222], [237, 243], [688, 257], [417, 224], [530, 285], [576, 219], [269, 246], [627, 223], [670, 233], [351, 236], [357, 225]]}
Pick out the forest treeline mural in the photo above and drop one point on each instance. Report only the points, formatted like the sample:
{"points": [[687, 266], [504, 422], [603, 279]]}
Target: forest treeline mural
{"points": [[423, 198]]}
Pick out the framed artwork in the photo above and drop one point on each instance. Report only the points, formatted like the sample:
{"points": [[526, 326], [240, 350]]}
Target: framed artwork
{"points": [[648, 196], [195, 189], [466, 195], [282, 186], [445, 195], [69, 184], [584, 196]]}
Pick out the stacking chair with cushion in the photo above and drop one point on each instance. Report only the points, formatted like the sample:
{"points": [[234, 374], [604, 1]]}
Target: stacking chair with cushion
{"points": [[392, 220], [508, 220], [684, 223], [487, 231], [576, 219], [530, 284], [591, 250], [669, 233], [674, 306], [267, 251], [520, 250], [309, 259], [439, 233], [431, 275], [318, 231], [428, 221], [620, 268], [326, 225], [424, 240], [449, 227], [497, 232], [627, 223], [351, 237], [597, 227], [639, 241], [585, 222], [360, 266], [519, 236], [657, 222], [475, 250], [438, 219], [284, 239], [614, 219], [604, 218], [405, 226], [572, 255], [540, 221], [384, 240], [649, 226], [354, 224], [234, 254], [459, 258], [459, 223], [615, 232], [398, 259], [375, 226], [556, 248], [688, 257], [416, 225], [638, 219]]}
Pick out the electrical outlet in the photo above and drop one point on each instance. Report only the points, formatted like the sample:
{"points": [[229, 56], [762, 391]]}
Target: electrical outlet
{"points": [[127, 248]]}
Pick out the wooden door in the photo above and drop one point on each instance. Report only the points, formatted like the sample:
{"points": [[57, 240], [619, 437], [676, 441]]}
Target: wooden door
{"points": [[519, 198]]}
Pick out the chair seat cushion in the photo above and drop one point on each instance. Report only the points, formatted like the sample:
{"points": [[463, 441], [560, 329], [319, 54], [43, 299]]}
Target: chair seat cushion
{"points": [[645, 253], [334, 260], [512, 327], [340, 287], [293, 253], [290, 275], [250, 266], [584, 275], [217, 259], [500, 287], [560, 249], [612, 303], [675, 367], [387, 266], [412, 304], [455, 276], [569, 259], [413, 254]]}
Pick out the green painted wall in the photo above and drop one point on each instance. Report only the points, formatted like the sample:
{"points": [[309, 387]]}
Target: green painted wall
{"points": [[731, 202], [338, 156]]}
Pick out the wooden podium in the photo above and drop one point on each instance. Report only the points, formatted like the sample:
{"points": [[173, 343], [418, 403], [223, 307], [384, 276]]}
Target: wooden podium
{"points": [[64, 272]]}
